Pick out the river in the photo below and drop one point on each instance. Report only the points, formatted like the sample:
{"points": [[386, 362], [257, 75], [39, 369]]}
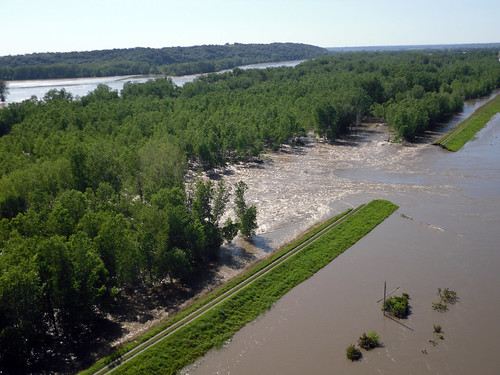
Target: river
{"points": [[444, 235], [25, 89]]}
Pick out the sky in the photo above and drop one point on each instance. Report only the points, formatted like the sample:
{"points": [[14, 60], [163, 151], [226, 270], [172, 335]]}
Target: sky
{"points": [[67, 25]]}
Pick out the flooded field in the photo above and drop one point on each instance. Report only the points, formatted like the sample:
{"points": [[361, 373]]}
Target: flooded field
{"points": [[444, 235]]}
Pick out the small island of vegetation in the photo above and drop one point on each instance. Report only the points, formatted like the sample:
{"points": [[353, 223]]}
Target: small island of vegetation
{"points": [[367, 342], [398, 306]]}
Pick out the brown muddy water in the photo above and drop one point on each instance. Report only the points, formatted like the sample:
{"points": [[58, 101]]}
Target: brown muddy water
{"points": [[446, 234]]}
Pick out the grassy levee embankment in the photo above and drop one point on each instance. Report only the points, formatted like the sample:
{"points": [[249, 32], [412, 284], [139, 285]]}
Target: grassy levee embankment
{"points": [[456, 138], [212, 328], [201, 304]]}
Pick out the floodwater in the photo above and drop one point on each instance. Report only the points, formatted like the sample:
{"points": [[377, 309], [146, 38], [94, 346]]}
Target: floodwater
{"points": [[25, 89], [445, 234]]}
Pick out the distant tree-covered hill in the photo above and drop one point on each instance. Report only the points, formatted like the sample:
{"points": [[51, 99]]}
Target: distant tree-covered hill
{"points": [[170, 60]]}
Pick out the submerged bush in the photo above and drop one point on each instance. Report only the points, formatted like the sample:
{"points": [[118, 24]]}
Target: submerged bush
{"points": [[398, 306], [447, 295], [353, 353], [370, 341], [439, 306]]}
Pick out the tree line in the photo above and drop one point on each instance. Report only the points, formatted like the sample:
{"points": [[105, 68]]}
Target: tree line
{"points": [[3, 90], [170, 60], [94, 196]]}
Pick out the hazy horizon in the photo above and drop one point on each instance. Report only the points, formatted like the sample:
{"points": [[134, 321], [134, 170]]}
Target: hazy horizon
{"points": [[360, 47], [60, 26]]}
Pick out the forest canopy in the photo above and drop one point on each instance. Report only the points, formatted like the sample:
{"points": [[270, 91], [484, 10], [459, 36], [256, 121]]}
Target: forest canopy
{"points": [[169, 60], [94, 198]]}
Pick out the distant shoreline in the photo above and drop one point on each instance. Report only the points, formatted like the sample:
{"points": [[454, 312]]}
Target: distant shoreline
{"points": [[413, 47]]}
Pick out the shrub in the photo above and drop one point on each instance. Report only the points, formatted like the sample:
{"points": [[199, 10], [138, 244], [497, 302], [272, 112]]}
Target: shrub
{"points": [[398, 306], [447, 295], [400, 309], [437, 328], [375, 338], [370, 341], [353, 353], [439, 306]]}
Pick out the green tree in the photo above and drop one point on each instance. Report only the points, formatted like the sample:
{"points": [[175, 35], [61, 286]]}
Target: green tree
{"points": [[373, 87], [353, 353], [55, 270], [103, 165], [399, 306], [153, 241], [55, 94], [370, 341], [161, 165], [89, 279], [201, 202], [77, 157], [332, 121], [177, 263], [22, 317], [208, 205], [117, 247], [229, 230], [220, 200], [3, 91], [247, 216]]}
